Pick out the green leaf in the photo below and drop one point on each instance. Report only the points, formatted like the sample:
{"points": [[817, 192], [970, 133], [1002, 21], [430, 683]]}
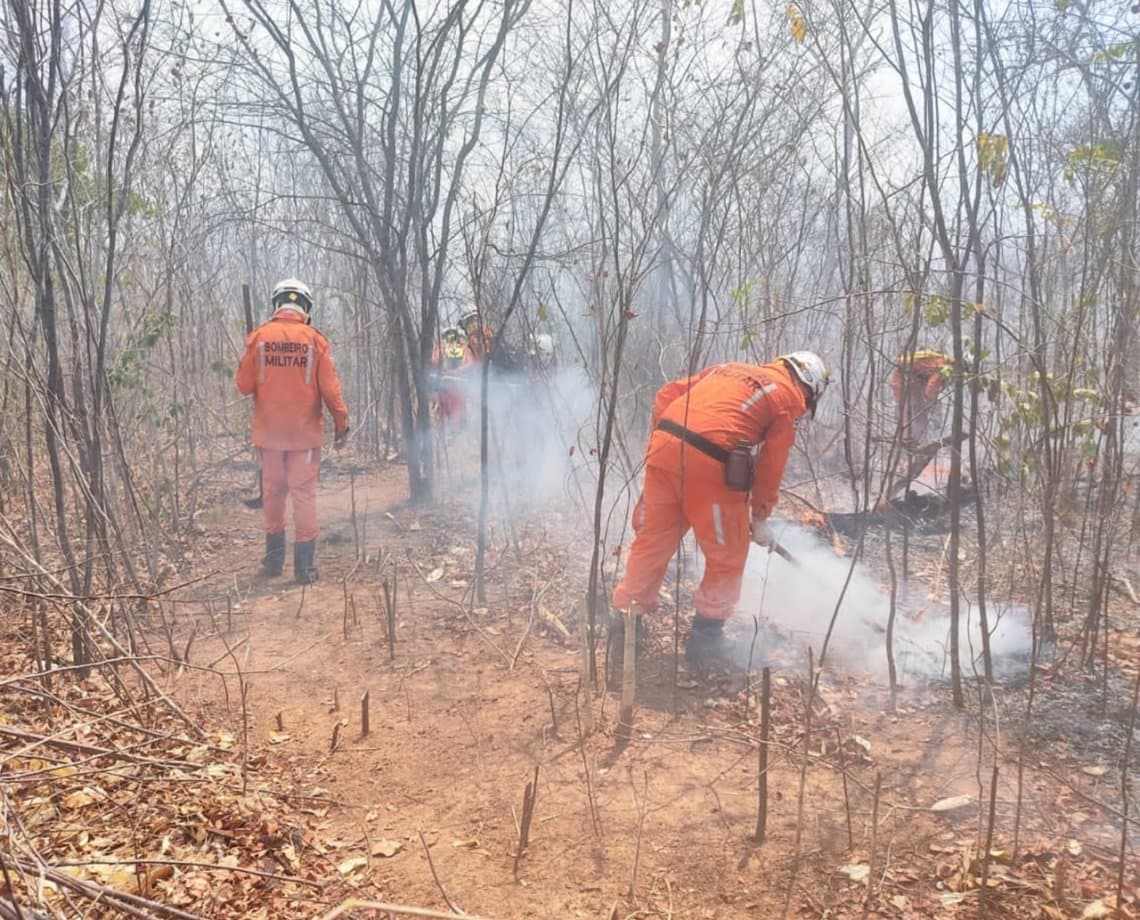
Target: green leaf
{"points": [[1116, 52]]}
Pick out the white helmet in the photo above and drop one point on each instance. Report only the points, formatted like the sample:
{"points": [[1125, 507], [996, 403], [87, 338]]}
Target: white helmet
{"points": [[292, 293], [809, 369]]}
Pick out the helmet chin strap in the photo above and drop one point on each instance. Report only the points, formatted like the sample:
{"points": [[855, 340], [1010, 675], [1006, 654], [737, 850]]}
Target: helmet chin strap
{"points": [[296, 308], [809, 397]]}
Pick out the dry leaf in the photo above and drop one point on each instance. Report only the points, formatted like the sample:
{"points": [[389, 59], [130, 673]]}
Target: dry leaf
{"points": [[434, 575], [289, 853], [1096, 910], [276, 737], [1094, 771], [1074, 847], [384, 847], [550, 618], [857, 872], [352, 864], [465, 844], [79, 798], [953, 803], [157, 874], [114, 875]]}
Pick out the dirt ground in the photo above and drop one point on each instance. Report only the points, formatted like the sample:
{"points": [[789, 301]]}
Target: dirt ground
{"points": [[477, 715], [474, 702]]}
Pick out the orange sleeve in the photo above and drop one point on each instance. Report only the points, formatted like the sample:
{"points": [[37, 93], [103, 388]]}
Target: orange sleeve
{"points": [[246, 376], [933, 385], [329, 385], [770, 463], [673, 391]]}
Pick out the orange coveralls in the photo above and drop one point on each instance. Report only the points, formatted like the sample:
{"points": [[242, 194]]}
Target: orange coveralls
{"points": [[289, 371], [449, 360], [728, 404], [916, 384], [480, 340]]}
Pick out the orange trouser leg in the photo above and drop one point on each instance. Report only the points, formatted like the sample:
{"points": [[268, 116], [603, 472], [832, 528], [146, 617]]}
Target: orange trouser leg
{"points": [[302, 467], [274, 489], [290, 473], [452, 405], [722, 524], [659, 524]]}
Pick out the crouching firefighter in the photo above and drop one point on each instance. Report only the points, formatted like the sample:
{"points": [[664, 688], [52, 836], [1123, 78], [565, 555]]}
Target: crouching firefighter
{"points": [[702, 472], [288, 369]]}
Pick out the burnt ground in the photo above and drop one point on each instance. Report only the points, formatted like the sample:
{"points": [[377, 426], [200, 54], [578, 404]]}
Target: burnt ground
{"points": [[285, 807]]}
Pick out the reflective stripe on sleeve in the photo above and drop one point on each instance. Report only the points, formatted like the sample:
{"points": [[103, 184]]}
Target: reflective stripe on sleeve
{"points": [[756, 396], [261, 362], [309, 356]]}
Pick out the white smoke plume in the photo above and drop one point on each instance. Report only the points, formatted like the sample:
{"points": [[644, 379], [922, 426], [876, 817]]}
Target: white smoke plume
{"points": [[798, 600], [537, 455], [540, 432]]}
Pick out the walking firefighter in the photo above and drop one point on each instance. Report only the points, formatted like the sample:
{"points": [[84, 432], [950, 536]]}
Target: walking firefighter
{"points": [[288, 369]]}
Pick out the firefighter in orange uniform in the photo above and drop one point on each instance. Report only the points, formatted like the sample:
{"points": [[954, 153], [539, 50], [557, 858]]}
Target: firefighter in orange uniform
{"points": [[480, 339], [916, 382], [450, 359], [699, 473], [289, 371]]}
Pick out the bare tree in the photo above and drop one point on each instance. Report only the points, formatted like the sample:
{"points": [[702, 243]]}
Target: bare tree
{"points": [[391, 111]]}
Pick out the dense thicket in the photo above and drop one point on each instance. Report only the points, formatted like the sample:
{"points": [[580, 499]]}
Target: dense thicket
{"points": [[657, 184]]}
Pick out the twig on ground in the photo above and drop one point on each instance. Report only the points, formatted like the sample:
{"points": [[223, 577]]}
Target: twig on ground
{"points": [[132, 905], [400, 909], [466, 613], [530, 793], [435, 875]]}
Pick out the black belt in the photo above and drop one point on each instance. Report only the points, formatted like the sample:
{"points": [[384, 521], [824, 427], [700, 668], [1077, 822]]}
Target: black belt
{"points": [[700, 442]]}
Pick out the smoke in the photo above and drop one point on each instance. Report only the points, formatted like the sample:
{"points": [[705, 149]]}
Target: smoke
{"points": [[538, 459], [795, 603], [535, 453]]}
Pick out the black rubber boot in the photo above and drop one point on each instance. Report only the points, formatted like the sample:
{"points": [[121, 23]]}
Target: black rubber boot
{"points": [[707, 648], [304, 566], [274, 559], [615, 647]]}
